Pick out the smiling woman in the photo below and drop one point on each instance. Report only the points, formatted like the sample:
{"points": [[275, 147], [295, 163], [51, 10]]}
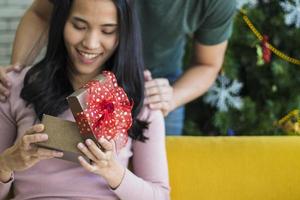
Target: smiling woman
{"points": [[85, 38], [91, 36]]}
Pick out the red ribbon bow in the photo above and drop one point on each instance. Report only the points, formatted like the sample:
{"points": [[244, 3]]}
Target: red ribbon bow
{"points": [[108, 111], [266, 51]]}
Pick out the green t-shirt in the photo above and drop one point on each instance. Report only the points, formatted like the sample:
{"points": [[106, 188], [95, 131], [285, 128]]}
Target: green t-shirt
{"points": [[166, 24]]}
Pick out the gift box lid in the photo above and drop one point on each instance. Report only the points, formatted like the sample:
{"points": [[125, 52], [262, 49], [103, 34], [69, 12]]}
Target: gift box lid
{"points": [[77, 103], [63, 135]]}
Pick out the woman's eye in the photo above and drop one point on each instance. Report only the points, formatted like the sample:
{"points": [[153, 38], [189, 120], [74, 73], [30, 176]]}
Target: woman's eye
{"points": [[109, 32], [79, 27]]}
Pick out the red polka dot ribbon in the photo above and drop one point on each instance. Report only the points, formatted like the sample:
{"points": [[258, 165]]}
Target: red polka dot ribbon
{"points": [[108, 111]]}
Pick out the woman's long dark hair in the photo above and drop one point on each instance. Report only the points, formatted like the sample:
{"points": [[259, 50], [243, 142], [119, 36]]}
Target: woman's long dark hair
{"points": [[46, 84]]}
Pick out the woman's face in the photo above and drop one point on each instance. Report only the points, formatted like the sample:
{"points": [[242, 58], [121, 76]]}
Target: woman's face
{"points": [[91, 35]]}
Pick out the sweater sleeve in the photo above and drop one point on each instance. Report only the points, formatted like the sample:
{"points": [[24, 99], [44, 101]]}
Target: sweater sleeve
{"points": [[149, 180], [7, 136]]}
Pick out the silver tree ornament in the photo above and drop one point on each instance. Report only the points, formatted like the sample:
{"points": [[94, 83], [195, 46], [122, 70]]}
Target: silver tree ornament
{"points": [[225, 94]]}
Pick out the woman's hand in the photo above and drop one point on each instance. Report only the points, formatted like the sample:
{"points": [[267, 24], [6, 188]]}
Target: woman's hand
{"points": [[104, 161], [24, 154]]}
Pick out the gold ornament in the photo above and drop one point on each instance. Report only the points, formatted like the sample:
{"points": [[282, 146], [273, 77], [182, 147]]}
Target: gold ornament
{"points": [[290, 123], [260, 37]]}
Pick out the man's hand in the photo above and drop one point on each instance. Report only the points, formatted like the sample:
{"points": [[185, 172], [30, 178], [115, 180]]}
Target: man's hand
{"points": [[159, 94], [4, 82]]}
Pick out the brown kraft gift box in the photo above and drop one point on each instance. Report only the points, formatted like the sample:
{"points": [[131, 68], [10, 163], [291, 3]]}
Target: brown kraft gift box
{"points": [[63, 136]]}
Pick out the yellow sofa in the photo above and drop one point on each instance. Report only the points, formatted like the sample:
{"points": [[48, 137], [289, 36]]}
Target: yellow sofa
{"points": [[234, 168]]}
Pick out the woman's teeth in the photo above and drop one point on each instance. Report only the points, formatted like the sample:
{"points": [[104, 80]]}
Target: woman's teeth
{"points": [[88, 55]]}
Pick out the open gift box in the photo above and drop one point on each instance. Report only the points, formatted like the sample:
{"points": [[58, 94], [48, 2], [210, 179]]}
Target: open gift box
{"points": [[101, 109]]}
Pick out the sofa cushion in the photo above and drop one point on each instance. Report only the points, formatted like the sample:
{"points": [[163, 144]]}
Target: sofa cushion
{"points": [[241, 168]]}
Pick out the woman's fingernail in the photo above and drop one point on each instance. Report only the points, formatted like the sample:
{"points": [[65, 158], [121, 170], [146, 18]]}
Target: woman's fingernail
{"points": [[80, 145], [88, 142], [39, 128], [59, 154], [44, 136], [101, 140], [80, 158]]}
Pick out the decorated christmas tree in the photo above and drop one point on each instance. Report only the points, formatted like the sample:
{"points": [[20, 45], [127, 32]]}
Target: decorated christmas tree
{"points": [[260, 80]]}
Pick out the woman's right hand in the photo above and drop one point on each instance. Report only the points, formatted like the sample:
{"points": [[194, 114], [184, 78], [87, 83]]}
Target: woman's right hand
{"points": [[25, 154]]}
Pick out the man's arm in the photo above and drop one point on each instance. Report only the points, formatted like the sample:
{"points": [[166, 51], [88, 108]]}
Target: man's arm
{"points": [[205, 66], [31, 35], [30, 38]]}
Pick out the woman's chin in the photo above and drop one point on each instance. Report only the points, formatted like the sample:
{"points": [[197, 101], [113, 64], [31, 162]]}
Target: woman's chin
{"points": [[87, 70], [88, 73]]}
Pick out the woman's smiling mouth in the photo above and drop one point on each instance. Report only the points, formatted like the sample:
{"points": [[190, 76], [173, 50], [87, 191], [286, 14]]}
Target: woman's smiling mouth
{"points": [[87, 58]]}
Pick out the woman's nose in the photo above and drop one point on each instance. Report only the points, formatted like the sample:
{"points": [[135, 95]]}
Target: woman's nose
{"points": [[91, 41]]}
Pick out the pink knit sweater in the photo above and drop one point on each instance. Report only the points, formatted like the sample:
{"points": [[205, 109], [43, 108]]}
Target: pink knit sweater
{"points": [[58, 179]]}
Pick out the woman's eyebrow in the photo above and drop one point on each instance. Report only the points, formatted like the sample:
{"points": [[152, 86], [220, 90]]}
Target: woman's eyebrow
{"points": [[79, 19], [110, 25], [84, 21]]}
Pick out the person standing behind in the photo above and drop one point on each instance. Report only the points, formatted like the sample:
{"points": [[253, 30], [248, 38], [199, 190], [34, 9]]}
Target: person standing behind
{"points": [[166, 26]]}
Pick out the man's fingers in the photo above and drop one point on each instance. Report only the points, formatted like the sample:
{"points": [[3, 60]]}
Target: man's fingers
{"points": [[158, 98], [147, 75], [159, 106], [153, 99], [152, 91], [163, 106], [4, 91], [3, 76], [2, 98], [9, 68], [156, 82], [4, 70], [17, 67], [158, 90]]}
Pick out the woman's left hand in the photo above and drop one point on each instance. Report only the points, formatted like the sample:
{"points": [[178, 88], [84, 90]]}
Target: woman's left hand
{"points": [[104, 161]]}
